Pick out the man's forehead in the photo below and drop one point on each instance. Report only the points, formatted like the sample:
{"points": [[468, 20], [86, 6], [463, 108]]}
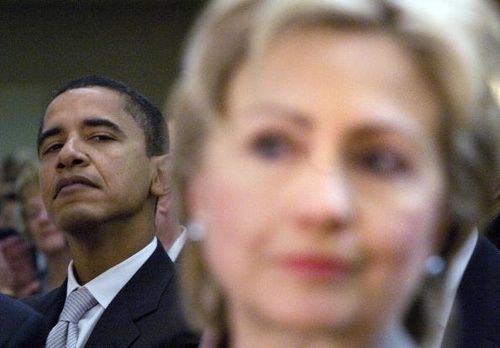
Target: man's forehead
{"points": [[82, 104], [92, 90]]}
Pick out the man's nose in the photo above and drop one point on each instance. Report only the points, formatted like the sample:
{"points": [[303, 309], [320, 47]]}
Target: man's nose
{"points": [[72, 154]]}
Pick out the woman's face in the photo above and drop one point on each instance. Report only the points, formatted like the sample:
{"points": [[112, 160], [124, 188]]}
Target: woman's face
{"points": [[46, 237], [322, 188]]}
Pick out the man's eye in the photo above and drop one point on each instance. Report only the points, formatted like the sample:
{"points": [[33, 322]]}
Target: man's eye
{"points": [[101, 137], [51, 148], [272, 146]]}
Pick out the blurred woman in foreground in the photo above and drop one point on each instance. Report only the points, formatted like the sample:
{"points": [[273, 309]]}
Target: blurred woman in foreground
{"points": [[329, 155]]}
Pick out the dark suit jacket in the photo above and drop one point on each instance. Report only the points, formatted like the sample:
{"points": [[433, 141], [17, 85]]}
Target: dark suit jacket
{"points": [[478, 299], [20, 326], [145, 313]]}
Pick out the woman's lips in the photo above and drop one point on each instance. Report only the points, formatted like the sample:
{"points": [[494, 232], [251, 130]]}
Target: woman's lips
{"points": [[316, 267]]}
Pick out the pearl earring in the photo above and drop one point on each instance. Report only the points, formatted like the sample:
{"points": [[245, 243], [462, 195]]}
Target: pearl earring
{"points": [[435, 265], [196, 231]]}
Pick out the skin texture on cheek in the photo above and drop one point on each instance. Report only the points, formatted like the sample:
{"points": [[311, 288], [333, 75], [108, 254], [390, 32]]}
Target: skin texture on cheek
{"points": [[402, 247]]}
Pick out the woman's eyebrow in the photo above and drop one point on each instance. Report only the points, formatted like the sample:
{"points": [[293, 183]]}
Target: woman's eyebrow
{"points": [[265, 110]]}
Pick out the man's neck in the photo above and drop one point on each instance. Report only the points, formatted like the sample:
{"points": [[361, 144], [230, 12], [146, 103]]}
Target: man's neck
{"points": [[95, 254]]}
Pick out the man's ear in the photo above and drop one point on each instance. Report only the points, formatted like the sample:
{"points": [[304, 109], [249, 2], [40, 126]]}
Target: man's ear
{"points": [[164, 204], [161, 183]]}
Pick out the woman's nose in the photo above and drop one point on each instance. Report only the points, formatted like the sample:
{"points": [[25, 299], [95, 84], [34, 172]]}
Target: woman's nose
{"points": [[327, 201]]}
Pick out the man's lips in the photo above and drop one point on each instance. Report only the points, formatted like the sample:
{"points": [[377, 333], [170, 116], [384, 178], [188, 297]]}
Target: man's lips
{"points": [[72, 180]]}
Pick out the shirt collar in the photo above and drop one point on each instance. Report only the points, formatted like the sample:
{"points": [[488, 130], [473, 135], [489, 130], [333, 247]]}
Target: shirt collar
{"points": [[106, 286], [176, 248]]}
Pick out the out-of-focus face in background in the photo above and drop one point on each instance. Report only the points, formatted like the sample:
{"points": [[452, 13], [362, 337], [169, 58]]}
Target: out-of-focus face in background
{"points": [[46, 237], [322, 187]]}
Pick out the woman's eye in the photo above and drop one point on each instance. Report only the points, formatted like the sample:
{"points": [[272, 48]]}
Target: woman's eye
{"points": [[272, 146], [386, 163]]}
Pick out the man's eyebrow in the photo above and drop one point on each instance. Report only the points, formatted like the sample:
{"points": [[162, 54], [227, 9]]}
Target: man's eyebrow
{"points": [[91, 122], [101, 122], [48, 133]]}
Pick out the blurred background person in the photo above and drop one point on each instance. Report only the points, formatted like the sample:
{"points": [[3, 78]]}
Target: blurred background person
{"points": [[330, 157], [17, 267], [50, 243], [10, 212], [17, 256], [10, 207]]}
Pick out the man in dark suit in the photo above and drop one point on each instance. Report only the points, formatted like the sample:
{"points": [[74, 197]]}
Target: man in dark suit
{"points": [[469, 314], [103, 164], [20, 326], [478, 298]]}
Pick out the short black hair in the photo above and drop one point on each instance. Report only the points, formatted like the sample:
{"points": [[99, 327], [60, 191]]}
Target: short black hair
{"points": [[145, 113]]}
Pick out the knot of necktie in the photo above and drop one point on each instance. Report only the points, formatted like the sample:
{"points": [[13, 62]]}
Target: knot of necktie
{"points": [[65, 333], [77, 303]]}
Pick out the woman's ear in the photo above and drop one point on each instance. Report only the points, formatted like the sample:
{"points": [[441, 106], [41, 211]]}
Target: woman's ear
{"points": [[161, 183]]}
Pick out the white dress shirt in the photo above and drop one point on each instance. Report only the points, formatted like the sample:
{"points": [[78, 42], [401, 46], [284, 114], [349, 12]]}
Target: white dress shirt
{"points": [[105, 287], [176, 248]]}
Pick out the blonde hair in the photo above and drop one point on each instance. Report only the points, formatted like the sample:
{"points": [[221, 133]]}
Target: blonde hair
{"points": [[455, 42]]}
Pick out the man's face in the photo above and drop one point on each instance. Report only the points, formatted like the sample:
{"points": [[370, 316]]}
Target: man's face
{"points": [[93, 163]]}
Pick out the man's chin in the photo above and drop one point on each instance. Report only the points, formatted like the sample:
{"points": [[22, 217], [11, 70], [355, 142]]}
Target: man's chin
{"points": [[76, 221]]}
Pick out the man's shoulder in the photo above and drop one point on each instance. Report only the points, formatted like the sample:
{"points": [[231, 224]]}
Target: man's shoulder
{"points": [[43, 303], [156, 278], [13, 309], [158, 268], [147, 309], [485, 260], [480, 284], [478, 298]]}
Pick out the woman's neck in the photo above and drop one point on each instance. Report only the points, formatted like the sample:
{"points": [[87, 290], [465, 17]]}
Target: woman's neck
{"points": [[294, 340], [265, 334]]}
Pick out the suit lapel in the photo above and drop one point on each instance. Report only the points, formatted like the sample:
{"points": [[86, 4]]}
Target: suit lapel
{"points": [[115, 328], [139, 297], [478, 295]]}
